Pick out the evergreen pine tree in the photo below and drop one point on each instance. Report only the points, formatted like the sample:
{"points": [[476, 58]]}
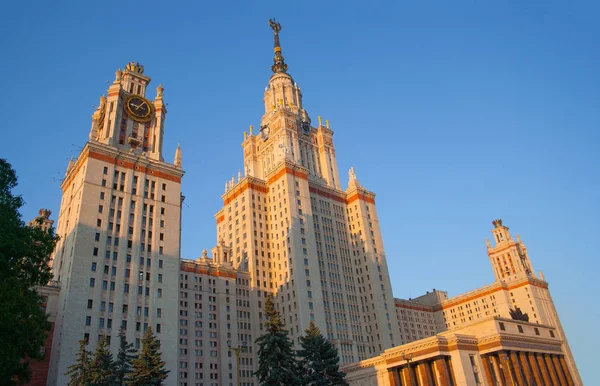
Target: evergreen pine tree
{"points": [[148, 368], [125, 357], [319, 360], [102, 365], [276, 359], [79, 372]]}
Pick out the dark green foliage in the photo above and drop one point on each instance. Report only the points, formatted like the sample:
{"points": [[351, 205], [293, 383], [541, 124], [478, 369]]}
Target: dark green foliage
{"points": [[319, 360], [102, 366], [79, 372], [276, 359], [24, 257], [148, 368], [125, 357]]}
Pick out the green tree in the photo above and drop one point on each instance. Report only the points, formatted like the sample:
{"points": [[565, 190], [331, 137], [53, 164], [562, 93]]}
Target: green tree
{"points": [[79, 372], [125, 357], [24, 263], [276, 359], [102, 365], [148, 368], [319, 359]]}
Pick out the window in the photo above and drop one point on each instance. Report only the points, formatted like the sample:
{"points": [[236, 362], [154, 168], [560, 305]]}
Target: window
{"points": [[97, 237], [159, 293], [88, 320], [160, 263], [94, 267], [100, 208], [92, 282], [90, 303], [95, 251], [501, 324], [520, 328]]}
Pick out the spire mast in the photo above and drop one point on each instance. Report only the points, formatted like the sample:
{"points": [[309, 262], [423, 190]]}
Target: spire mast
{"points": [[279, 64]]}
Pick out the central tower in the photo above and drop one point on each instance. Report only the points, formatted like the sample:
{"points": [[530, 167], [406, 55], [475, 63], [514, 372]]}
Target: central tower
{"points": [[314, 247]]}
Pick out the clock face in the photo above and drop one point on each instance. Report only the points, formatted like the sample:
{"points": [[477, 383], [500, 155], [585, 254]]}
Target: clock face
{"points": [[264, 132], [305, 127], [139, 108]]}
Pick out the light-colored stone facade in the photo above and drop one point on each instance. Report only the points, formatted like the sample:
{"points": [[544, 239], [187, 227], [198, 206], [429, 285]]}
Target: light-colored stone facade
{"points": [[488, 352], [516, 286], [313, 246], [117, 262], [287, 230]]}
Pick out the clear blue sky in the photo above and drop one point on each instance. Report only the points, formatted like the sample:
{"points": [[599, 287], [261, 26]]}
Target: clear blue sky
{"points": [[454, 113]]}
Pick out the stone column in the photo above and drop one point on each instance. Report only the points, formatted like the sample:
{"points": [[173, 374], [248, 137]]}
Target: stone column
{"points": [[517, 370], [495, 361], [505, 368], [551, 370], [543, 369], [424, 375], [535, 369], [565, 368], [393, 376], [451, 371], [525, 367], [442, 370], [558, 368], [487, 369], [405, 377]]}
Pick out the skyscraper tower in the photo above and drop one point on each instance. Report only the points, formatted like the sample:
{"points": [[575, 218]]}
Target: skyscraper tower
{"points": [[117, 265], [313, 246]]}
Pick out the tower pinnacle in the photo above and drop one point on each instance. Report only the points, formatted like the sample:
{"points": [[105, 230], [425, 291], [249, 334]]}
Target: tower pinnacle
{"points": [[279, 64]]}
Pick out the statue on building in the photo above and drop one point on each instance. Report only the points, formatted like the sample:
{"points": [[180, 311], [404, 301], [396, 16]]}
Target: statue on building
{"points": [[351, 174], [517, 314]]}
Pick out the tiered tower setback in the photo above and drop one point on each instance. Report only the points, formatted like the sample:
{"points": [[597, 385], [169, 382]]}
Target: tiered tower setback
{"points": [[316, 248]]}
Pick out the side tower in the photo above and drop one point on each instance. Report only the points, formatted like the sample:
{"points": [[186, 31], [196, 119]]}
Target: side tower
{"points": [[117, 264], [524, 296], [508, 257], [313, 246]]}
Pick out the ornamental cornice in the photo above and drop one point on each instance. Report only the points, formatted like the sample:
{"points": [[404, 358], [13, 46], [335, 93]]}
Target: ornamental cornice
{"points": [[135, 158]]}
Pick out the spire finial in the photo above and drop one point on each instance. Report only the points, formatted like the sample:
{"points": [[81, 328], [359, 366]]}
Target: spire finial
{"points": [[279, 65]]}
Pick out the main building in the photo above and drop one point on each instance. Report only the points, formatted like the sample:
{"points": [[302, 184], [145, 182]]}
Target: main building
{"points": [[287, 229]]}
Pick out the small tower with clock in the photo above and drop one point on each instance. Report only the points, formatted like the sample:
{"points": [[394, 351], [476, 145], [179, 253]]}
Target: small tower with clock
{"points": [[126, 119]]}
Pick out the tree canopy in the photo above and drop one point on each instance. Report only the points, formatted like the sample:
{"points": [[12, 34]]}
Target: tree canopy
{"points": [[148, 368], [276, 358], [319, 360], [24, 263]]}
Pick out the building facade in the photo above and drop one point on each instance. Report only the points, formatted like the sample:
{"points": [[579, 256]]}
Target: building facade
{"points": [[317, 249], [287, 229], [492, 351], [117, 265], [516, 293]]}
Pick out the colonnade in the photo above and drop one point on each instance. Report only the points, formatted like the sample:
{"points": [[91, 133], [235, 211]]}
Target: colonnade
{"points": [[436, 371], [500, 368], [519, 368]]}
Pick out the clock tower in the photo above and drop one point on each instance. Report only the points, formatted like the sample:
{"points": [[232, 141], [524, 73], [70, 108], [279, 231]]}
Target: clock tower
{"points": [[126, 119], [116, 263]]}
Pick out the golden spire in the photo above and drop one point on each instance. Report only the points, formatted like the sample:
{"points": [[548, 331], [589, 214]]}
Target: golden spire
{"points": [[279, 65]]}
